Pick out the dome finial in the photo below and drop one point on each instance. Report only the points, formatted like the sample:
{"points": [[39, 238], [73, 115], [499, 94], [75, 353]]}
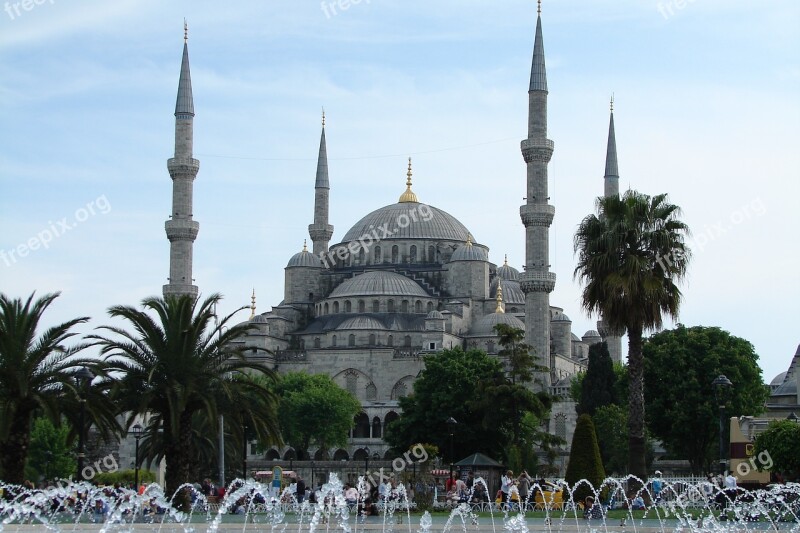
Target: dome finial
{"points": [[409, 195], [499, 298], [612, 102], [539, 7], [253, 305], [469, 239], [185, 31], [323, 117], [505, 261], [305, 247]]}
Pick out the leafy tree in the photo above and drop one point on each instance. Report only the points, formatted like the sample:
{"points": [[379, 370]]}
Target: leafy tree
{"points": [[314, 410], [445, 388], [51, 455], [680, 365], [597, 387], [36, 376], [180, 365], [611, 424], [781, 440], [631, 254], [584, 460]]}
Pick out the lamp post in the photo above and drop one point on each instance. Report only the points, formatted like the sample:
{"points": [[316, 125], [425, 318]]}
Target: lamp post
{"points": [[137, 431], [366, 462], [721, 386], [82, 379], [451, 425], [244, 447], [792, 417]]}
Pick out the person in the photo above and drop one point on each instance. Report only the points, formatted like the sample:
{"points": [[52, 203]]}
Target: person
{"points": [[470, 479], [506, 482], [524, 485], [350, 494], [300, 489], [99, 511], [638, 503], [592, 510], [448, 486], [708, 488], [657, 487]]}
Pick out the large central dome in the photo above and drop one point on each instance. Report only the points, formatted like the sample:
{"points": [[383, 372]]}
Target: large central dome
{"points": [[409, 220]]}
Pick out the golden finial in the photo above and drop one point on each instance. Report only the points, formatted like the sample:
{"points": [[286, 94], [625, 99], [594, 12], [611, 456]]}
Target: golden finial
{"points": [[469, 239], [409, 195], [539, 7], [323, 117], [253, 305], [305, 247], [185, 31], [612, 102], [499, 299], [505, 261]]}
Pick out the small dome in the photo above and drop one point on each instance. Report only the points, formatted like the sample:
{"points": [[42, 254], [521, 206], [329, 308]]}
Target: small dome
{"points": [[485, 326], [361, 322], [435, 315], [591, 335], [787, 388], [469, 252], [507, 272], [379, 284], [778, 380], [304, 259], [575, 337], [259, 319], [561, 318], [512, 293]]}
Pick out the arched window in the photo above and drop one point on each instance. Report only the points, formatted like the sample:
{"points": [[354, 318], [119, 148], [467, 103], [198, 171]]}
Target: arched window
{"points": [[347, 306], [341, 455], [490, 347], [372, 392], [412, 254], [333, 340], [372, 339], [351, 382], [335, 307], [390, 306], [376, 428], [561, 425], [399, 390], [377, 255], [404, 306], [316, 342], [361, 429], [390, 341], [430, 306], [418, 306], [351, 340], [361, 256], [273, 455], [395, 253], [310, 296], [390, 417], [431, 254], [361, 306], [408, 340], [325, 308], [376, 306]]}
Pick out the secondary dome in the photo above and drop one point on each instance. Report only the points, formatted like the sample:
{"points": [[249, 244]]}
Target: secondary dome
{"points": [[408, 220], [304, 259], [485, 326], [505, 271], [469, 252], [378, 284], [512, 293], [361, 322]]}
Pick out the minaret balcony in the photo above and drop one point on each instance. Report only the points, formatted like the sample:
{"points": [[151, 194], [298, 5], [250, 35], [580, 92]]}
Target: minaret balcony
{"points": [[180, 289], [182, 167], [537, 281], [181, 229], [537, 214], [537, 150]]}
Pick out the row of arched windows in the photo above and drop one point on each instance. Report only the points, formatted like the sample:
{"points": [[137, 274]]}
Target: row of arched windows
{"points": [[364, 429], [392, 255], [371, 340], [375, 306]]}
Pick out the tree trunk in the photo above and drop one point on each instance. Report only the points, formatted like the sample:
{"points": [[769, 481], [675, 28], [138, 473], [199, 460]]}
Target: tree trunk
{"points": [[179, 456], [15, 449], [637, 465]]}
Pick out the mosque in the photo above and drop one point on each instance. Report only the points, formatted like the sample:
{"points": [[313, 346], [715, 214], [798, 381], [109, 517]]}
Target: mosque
{"points": [[406, 280]]}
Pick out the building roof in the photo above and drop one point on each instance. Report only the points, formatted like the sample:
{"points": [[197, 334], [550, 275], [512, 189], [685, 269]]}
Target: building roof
{"points": [[512, 292], [505, 271], [304, 259], [184, 105], [378, 284], [538, 71], [485, 326], [361, 322], [561, 317], [408, 220], [470, 252], [478, 459]]}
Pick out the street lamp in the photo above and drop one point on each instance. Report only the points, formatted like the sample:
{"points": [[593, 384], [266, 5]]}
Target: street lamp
{"points": [[244, 447], [451, 424], [366, 461], [82, 379], [137, 431], [721, 386], [792, 417]]}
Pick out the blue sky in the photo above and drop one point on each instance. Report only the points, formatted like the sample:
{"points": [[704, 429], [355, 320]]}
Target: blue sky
{"points": [[707, 109]]}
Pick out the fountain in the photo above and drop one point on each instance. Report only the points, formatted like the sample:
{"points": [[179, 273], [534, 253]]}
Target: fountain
{"points": [[252, 506]]}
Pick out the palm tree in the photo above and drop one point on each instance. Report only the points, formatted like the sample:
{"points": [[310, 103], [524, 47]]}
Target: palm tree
{"points": [[183, 364], [37, 376], [630, 256]]}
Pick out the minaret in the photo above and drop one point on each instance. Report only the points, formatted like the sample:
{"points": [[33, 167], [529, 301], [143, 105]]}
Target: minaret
{"points": [[611, 188], [320, 231], [181, 229], [537, 282]]}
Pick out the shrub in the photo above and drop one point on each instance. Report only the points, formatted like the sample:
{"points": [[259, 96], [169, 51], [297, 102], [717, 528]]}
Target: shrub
{"points": [[584, 460]]}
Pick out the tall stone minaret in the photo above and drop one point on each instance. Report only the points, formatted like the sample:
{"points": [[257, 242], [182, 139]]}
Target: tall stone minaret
{"points": [[537, 281], [611, 188], [320, 231], [181, 229]]}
